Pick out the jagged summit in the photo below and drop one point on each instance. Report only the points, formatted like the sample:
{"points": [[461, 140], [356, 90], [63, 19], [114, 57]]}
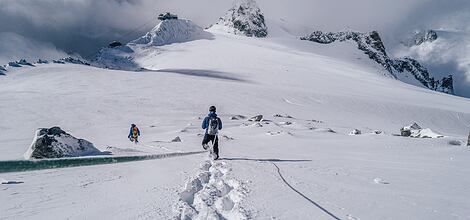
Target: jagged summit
{"points": [[421, 36], [371, 44], [171, 31], [244, 18]]}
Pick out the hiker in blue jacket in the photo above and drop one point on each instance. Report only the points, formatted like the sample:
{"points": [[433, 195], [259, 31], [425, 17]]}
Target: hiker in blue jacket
{"points": [[212, 124]]}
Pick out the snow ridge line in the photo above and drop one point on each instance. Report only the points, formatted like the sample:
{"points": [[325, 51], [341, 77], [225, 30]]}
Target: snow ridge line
{"points": [[304, 196], [212, 195], [30, 165]]}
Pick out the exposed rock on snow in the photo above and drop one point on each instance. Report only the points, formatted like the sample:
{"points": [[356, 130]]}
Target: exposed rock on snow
{"points": [[167, 16], [377, 132], [2, 70], [326, 130], [282, 116], [355, 132], [74, 61], [40, 61], [256, 118], [24, 62], [58, 61], [237, 117], [176, 139], [244, 18], [56, 143], [416, 131], [371, 44], [14, 64]]}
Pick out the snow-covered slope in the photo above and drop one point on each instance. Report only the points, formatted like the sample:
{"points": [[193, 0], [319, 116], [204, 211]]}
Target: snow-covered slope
{"points": [[171, 31], [165, 32], [297, 164]]}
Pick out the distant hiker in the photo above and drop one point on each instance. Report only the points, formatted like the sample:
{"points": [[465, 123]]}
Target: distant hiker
{"points": [[212, 124], [134, 134]]}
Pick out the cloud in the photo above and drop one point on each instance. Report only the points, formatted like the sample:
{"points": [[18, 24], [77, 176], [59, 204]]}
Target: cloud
{"points": [[14, 47], [85, 25]]}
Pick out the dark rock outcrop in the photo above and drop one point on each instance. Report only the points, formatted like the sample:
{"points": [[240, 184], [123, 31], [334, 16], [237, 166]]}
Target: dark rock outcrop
{"points": [[167, 16], [114, 44], [246, 18], [74, 61], [2, 70], [56, 143], [371, 44], [40, 61]]}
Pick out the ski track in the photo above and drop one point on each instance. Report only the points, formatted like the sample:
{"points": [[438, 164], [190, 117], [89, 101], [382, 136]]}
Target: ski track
{"points": [[212, 194], [304, 196]]}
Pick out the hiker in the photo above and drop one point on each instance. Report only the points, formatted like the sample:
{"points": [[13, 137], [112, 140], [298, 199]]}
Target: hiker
{"points": [[134, 133], [212, 124]]}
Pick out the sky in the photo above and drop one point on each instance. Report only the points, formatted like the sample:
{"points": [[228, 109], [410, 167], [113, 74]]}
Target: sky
{"points": [[82, 26]]}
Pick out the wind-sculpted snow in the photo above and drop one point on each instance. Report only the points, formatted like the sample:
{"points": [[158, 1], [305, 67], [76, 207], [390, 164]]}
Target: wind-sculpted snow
{"points": [[172, 31], [165, 33], [371, 44], [120, 58]]}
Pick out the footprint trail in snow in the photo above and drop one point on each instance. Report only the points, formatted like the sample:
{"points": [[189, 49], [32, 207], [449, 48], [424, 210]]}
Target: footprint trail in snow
{"points": [[212, 194]]}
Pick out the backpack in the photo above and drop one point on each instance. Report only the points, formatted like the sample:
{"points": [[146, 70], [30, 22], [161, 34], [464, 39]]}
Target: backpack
{"points": [[135, 132], [213, 126]]}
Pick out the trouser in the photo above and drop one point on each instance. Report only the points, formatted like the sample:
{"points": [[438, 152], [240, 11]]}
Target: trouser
{"points": [[215, 142], [134, 138]]}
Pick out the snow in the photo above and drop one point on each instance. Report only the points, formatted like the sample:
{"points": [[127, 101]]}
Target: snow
{"points": [[166, 32], [448, 54], [171, 31], [417, 132], [307, 168]]}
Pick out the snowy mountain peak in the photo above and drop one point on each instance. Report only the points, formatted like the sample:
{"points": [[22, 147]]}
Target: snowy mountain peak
{"points": [[401, 68], [171, 31], [168, 31], [244, 18], [421, 36]]}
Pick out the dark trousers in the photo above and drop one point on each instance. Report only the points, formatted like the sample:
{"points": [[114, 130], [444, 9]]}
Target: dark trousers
{"points": [[215, 141]]}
